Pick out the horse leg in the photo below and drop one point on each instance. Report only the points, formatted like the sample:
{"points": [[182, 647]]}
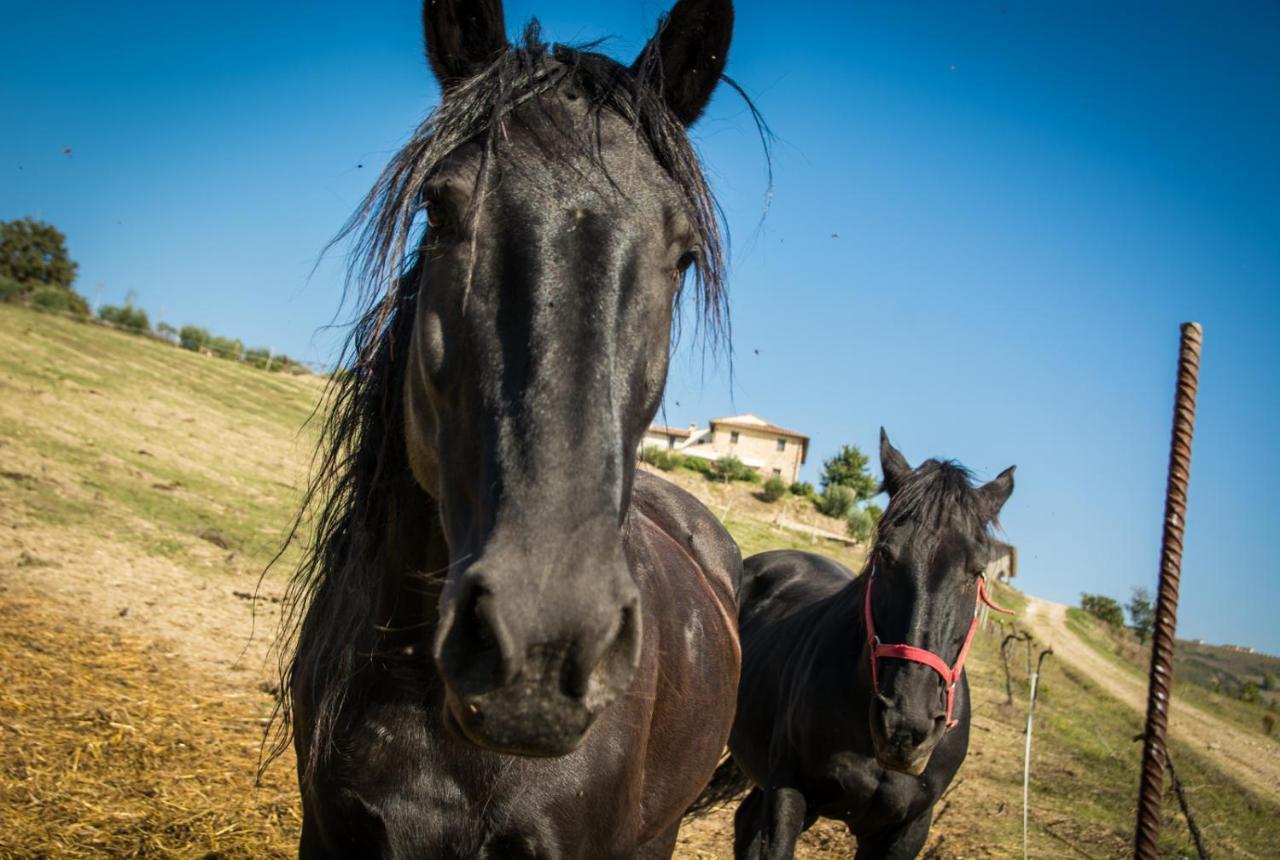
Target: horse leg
{"points": [[901, 843], [785, 820], [660, 847], [748, 827]]}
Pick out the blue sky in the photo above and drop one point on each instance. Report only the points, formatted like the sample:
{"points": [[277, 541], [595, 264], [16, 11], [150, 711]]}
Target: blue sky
{"points": [[987, 222]]}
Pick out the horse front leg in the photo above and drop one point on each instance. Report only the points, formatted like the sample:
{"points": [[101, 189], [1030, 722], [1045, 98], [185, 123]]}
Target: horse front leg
{"points": [[768, 823], [901, 843], [748, 827]]}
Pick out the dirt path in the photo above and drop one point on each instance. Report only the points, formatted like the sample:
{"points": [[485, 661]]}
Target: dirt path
{"points": [[1255, 764]]}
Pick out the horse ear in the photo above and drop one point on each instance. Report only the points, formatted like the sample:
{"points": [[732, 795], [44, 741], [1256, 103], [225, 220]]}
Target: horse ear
{"points": [[893, 464], [684, 60], [463, 37], [996, 492]]}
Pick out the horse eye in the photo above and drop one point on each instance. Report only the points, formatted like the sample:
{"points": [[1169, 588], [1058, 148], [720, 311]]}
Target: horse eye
{"points": [[436, 214], [687, 259]]}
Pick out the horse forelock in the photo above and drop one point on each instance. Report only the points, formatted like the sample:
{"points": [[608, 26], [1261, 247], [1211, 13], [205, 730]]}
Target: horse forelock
{"points": [[936, 492]]}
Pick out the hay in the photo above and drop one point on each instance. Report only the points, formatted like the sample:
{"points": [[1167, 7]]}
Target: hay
{"points": [[111, 745]]}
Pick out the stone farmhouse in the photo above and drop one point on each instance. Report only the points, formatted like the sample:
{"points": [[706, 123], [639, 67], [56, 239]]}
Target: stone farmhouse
{"points": [[773, 451]]}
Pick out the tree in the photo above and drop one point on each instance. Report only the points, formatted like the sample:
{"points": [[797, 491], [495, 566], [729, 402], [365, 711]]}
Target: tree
{"points": [[1103, 608], [1270, 682], [33, 252], [1142, 614], [849, 469], [1249, 692]]}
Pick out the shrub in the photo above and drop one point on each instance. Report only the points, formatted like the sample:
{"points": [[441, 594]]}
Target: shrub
{"points": [[10, 290], [701, 465], [76, 304], [225, 347], [193, 337], [660, 458], [285, 363], [837, 501], [1249, 692], [129, 317], [861, 522], [774, 489], [50, 298], [803, 489], [258, 356], [1103, 608], [730, 468]]}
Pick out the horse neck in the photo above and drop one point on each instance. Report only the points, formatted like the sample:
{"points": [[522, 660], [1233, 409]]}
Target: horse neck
{"points": [[847, 633]]}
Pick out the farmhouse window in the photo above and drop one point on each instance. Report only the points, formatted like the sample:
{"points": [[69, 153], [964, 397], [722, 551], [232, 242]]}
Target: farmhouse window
{"points": [[777, 473], [733, 437], [782, 444]]}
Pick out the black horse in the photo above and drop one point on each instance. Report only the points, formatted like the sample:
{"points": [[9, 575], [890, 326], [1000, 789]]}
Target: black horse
{"points": [[509, 642], [853, 704]]}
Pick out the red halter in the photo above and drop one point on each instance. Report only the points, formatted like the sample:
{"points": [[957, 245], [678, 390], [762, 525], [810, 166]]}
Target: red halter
{"points": [[949, 674]]}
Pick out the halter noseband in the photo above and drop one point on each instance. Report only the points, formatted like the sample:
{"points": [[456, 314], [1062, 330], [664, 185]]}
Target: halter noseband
{"points": [[950, 674]]}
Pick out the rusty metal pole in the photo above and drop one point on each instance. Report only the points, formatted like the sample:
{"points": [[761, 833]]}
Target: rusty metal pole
{"points": [[1162, 640]]}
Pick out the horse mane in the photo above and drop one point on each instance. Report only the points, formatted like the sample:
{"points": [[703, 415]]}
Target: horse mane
{"points": [[328, 626], [936, 490]]}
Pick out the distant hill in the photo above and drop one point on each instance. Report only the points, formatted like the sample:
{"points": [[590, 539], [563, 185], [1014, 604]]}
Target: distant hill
{"points": [[1226, 667]]}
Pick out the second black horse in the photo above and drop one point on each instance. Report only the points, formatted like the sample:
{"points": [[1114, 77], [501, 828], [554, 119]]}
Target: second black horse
{"points": [[853, 703]]}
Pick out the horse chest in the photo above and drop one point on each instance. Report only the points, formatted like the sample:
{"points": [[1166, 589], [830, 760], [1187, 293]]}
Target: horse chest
{"points": [[867, 794], [398, 781]]}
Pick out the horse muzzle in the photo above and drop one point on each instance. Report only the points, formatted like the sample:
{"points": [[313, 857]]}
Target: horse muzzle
{"points": [[904, 739], [530, 677]]}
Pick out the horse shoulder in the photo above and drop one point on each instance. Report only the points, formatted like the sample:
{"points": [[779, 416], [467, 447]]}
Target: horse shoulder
{"points": [[688, 569], [702, 538]]}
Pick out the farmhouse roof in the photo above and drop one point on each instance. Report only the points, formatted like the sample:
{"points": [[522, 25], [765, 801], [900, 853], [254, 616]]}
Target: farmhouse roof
{"points": [[755, 422], [664, 430]]}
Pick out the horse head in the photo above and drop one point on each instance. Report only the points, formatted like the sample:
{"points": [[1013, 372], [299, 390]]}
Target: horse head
{"points": [[932, 546]]}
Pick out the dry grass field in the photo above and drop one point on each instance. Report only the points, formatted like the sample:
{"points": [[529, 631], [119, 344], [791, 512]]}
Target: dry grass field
{"points": [[143, 489]]}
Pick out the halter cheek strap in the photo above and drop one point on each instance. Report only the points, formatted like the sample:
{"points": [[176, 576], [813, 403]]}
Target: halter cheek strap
{"points": [[950, 674]]}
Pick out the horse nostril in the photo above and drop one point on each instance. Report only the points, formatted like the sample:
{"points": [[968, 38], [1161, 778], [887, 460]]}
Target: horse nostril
{"points": [[477, 651], [602, 667]]}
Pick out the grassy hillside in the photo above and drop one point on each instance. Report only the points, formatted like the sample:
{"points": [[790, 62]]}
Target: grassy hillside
{"points": [[181, 455], [1227, 669], [1195, 668], [142, 486]]}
